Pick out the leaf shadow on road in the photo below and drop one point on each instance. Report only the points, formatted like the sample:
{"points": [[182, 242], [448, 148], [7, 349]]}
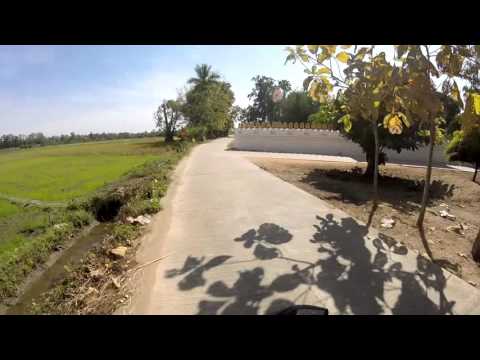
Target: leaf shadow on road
{"points": [[356, 277]]}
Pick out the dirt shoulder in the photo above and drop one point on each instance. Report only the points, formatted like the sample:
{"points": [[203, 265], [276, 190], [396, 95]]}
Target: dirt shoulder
{"points": [[343, 186]]}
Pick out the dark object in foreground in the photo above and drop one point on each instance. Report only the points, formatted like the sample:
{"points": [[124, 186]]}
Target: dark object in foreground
{"points": [[303, 310]]}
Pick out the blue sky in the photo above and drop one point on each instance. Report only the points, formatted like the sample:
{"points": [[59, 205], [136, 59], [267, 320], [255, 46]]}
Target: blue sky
{"points": [[58, 89]]}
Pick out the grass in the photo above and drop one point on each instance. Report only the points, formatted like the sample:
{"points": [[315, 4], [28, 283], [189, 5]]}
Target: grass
{"points": [[7, 209], [61, 173], [76, 178]]}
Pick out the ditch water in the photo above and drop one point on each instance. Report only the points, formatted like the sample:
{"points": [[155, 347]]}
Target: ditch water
{"points": [[43, 279]]}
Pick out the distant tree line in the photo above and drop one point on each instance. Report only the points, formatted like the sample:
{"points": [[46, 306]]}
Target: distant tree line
{"points": [[39, 139]]}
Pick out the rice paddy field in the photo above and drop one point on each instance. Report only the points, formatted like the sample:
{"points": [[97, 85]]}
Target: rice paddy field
{"points": [[64, 172], [37, 186]]}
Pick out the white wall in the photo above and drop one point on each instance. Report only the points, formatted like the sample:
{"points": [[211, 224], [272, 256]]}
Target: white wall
{"points": [[321, 142]]}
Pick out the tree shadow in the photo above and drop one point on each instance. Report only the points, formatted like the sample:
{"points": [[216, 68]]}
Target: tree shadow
{"points": [[356, 273], [351, 186]]}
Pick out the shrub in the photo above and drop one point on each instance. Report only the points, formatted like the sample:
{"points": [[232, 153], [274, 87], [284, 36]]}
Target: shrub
{"points": [[124, 232], [196, 133], [79, 218]]}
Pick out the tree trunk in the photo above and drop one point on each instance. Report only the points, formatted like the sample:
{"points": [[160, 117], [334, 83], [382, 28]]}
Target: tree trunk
{"points": [[476, 248], [370, 165], [475, 173], [426, 187], [168, 136], [375, 165]]}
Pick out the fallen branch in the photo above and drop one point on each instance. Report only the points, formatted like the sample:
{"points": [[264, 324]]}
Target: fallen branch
{"points": [[147, 264]]}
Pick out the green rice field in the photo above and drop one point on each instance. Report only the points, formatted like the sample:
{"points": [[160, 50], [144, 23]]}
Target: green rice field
{"points": [[65, 172]]}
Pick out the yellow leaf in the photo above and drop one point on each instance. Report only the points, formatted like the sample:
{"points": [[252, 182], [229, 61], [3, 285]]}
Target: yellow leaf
{"points": [[343, 57], [376, 104], [313, 92], [326, 83], [313, 48], [361, 53], [322, 56], [323, 70], [393, 123], [347, 123], [330, 49], [476, 103], [404, 118]]}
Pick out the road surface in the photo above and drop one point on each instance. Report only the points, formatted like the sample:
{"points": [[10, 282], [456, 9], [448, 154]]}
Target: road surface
{"points": [[239, 240]]}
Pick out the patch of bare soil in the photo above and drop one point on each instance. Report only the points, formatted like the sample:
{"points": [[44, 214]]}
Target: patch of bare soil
{"points": [[449, 239]]}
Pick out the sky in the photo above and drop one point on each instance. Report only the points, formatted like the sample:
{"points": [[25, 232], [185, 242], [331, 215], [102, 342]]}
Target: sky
{"points": [[60, 89], [79, 88]]}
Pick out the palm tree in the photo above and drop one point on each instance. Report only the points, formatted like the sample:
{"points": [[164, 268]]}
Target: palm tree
{"points": [[205, 75]]}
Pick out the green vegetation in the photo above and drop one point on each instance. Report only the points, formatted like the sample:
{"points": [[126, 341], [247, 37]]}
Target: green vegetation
{"points": [[72, 185], [7, 208], [59, 173]]}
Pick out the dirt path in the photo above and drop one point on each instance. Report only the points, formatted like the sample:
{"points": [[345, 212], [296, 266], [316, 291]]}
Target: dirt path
{"points": [[239, 240], [22, 201]]}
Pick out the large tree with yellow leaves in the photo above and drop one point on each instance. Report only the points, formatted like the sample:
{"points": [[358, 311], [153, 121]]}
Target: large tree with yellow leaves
{"points": [[368, 88], [394, 96]]}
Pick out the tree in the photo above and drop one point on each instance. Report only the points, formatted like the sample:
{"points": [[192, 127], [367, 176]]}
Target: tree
{"points": [[205, 76], [465, 148], [470, 124], [209, 106], [168, 116], [471, 69], [263, 107], [236, 114], [297, 107], [420, 96], [368, 92]]}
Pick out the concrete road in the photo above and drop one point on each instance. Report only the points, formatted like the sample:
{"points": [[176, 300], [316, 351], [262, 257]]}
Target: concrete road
{"points": [[239, 240]]}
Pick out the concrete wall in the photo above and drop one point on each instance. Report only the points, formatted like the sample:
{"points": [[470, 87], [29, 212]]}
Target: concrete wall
{"points": [[321, 142]]}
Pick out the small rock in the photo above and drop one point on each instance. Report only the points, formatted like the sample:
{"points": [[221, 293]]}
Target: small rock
{"points": [[91, 290], [432, 228], [459, 229], [444, 205], [462, 255], [116, 283], [96, 274], [59, 226], [431, 242], [387, 223], [119, 251], [141, 220], [473, 283], [446, 214]]}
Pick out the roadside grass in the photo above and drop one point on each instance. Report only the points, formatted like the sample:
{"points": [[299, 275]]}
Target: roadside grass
{"points": [[7, 208], [87, 178]]}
